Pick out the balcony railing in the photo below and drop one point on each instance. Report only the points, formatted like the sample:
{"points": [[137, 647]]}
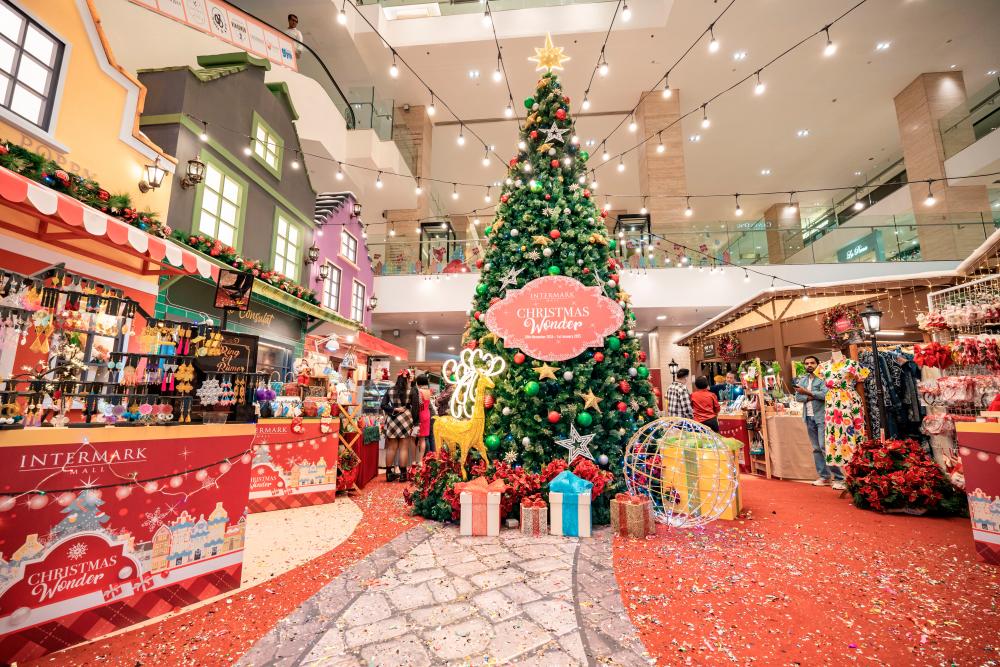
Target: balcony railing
{"points": [[866, 239], [372, 113], [971, 121]]}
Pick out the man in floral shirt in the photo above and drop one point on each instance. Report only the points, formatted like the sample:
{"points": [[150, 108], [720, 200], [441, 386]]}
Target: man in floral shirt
{"points": [[810, 390]]}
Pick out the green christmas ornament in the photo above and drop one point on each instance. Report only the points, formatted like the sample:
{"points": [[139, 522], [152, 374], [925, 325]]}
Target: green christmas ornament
{"points": [[481, 288], [612, 244], [488, 230], [584, 419], [554, 270], [492, 441], [643, 372], [531, 388], [529, 102], [584, 155], [535, 186], [613, 343]]}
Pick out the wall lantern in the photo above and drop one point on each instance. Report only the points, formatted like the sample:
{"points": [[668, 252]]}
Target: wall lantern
{"points": [[312, 254], [373, 302], [195, 174], [154, 177]]}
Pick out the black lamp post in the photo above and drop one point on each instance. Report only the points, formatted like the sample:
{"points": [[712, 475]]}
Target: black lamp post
{"points": [[673, 370], [871, 319]]}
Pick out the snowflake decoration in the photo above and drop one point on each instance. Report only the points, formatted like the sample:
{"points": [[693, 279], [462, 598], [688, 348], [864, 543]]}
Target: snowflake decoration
{"points": [[550, 211], [510, 456], [153, 520], [533, 255], [77, 551], [634, 404]]}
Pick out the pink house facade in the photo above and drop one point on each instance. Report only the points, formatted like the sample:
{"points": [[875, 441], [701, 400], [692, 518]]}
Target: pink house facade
{"points": [[349, 282]]}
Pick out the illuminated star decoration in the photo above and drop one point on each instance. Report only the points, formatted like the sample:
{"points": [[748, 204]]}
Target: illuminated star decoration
{"points": [[511, 277], [546, 371], [591, 401], [576, 444], [549, 57], [555, 134]]}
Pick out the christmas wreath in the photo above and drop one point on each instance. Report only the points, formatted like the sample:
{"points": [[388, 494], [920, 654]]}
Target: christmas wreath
{"points": [[729, 346], [899, 476], [836, 314]]}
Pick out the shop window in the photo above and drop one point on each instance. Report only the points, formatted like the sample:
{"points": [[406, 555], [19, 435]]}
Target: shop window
{"points": [[358, 302], [287, 247], [267, 146], [30, 67], [220, 206], [331, 288], [348, 247]]}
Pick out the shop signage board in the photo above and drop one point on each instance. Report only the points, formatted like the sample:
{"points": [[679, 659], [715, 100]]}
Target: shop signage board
{"points": [[867, 248], [97, 553], [554, 318], [708, 350], [223, 21], [294, 463]]}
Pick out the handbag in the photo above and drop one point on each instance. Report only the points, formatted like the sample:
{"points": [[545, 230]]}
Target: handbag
{"points": [[290, 386], [276, 384]]}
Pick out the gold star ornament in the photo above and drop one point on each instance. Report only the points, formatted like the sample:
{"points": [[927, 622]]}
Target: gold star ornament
{"points": [[549, 57], [546, 371], [590, 400]]}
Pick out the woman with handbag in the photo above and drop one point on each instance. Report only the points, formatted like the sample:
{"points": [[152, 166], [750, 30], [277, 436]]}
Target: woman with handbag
{"points": [[399, 404], [427, 409]]}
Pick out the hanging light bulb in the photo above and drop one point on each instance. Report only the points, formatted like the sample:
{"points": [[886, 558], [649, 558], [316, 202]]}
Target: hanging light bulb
{"points": [[760, 87], [247, 150], [667, 92], [643, 210], [392, 230], [705, 122], [931, 200], [632, 125], [340, 172], [418, 230], [858, 203], [521, 145], [378, 181], [342, 14], [830, 47], [746, 276], [626, 13], [688, 212], [498, 73], [621, 164], [418, 190], [771, 288], [586, 101], [204, 131], [713, 44], [487, 19], [431, 110], [607, 204], [605, 156], [454, 190], [602, 65], [739, 209], [593, 180], [393, 70], [475, 221], [660, 148], [461, 135], [294, 164], [508, 111], [791, 206], [487, 197], [486, 158]]}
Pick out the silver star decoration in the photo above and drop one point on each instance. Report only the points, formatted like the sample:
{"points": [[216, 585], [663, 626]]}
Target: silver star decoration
{"points": [[511, 277], [554, 134], [576, 444], [533, 255], [550, 210]]}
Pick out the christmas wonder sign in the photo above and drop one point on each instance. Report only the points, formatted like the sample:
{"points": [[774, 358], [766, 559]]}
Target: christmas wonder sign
{"points": [[554, 318]]}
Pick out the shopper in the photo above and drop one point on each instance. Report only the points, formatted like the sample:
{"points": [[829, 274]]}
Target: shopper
{"points": [[399, 404], [678, 399], [810, 390], [427, 409], [296, 34], [705, 404], [724, 390]]}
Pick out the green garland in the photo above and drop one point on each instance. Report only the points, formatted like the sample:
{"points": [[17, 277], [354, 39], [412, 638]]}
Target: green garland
{"points": [[41, 170]]}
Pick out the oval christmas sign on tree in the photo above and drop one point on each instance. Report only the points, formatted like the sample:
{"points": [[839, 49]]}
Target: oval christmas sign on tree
{"points": [[554, 318]]}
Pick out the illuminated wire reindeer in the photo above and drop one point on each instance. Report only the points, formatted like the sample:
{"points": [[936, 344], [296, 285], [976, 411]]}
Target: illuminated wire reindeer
{"points": [[473, 374]]}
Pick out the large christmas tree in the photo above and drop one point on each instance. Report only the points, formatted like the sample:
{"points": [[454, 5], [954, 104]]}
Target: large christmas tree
{"points": [[548, 225]]}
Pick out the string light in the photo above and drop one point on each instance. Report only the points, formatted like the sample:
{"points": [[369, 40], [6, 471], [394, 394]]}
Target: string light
{"points": [[667, 92], [295, 163], [475, 221], [760, 87], [393, 69], [830, 47], [660, 148], [593, 180], [746, 276], [486, 156], [461, 135], [688, 211], [621, 164], [340, 171], [626, 13], [643, 210], [378, 181], [487, 19], [454, 190], [586, 100], [509, 109], [419, 190], [431, 110], [713, 44], [342, 14], [392, 229], [497, 74], [858, 204], [771, 288], [791, 206], [739, 209], [602, 66], [605, 156], [705, 122], [247, 150], [204, 131], [930, 200], [633, 126], [487, 197]]}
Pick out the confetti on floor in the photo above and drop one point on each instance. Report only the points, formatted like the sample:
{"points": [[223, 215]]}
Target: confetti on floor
{"points": [[221, 632], [806, 578]]}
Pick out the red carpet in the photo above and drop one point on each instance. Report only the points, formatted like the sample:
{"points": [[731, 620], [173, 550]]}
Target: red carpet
{"points": [[219, 633], [805, 578]]}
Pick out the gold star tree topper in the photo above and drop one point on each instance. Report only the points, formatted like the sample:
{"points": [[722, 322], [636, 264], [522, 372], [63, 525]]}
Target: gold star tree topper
{"points": [[550, 57]]}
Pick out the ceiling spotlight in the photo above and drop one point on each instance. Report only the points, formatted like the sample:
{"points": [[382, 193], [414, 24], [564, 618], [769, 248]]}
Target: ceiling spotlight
{"points": [[473, 74], [454, 190], [739, 209], [378, 181], [393, 70], [883, 46], [930, 201], [694, 138], [713, 44], [802, 133], [705, 122], [857, 173], [760, 86], [621, 164], [632, 125], [461, 135], [626, 13], [765, 172], [830, 47], [740, 55], [431, 110], [688, 211]]}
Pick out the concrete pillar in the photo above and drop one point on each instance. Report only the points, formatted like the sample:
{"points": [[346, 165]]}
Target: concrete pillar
{"points": [[783, 232], [919, 108], [420, 353], [662, 173], [663, 340], [413, 133]]}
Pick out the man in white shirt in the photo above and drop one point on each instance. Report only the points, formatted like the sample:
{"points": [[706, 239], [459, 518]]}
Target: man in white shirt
{"points": [[294, 32]]}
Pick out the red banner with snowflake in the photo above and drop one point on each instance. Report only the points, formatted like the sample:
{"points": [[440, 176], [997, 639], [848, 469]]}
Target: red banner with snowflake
{"points": [[120, 518], [294, 463]]}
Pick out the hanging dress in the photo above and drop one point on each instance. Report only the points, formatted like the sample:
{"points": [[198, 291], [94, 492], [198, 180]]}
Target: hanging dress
{"points": [[844, 422]]}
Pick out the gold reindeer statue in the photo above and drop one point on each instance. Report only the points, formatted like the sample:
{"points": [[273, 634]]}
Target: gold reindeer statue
{"points": [[473, 374]]}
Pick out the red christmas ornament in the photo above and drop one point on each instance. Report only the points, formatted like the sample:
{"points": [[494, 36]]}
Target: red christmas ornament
{"points": [[555, 233], [625, 354], [650, 412], [476, 314], [586, 270], [554, 164], [586, 193], [554, 416], [513, 161], [103, 195], [624, 386], [613, 277], [472, 344], [519, 358], [533, 134], [565, 99], [561, 114], [621, 406], [504, 198], [62, 177], [548, 197], [642, 356], [479, 263], [598, 357], [620, 334], [488, 401], [604, 214], [3, 149]]}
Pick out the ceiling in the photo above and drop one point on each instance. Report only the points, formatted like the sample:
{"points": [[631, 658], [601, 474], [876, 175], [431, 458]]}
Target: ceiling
{"points": [[845, 101]]}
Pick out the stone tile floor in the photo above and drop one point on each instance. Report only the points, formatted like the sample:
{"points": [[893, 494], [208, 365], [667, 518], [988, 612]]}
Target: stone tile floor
{"points": [[432, 597]]}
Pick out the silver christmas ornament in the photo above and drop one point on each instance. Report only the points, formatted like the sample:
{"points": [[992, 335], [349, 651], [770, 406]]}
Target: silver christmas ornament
{"points": [[568, 375]]}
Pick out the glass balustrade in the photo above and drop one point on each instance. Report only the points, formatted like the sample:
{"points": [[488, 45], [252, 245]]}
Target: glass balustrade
{"points": [[728, 244], [971, 121], [370, 112]]}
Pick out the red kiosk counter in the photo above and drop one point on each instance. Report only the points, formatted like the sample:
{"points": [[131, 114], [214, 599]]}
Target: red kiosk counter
{"points": [[104, 527], [979, 447], [295, 463]]}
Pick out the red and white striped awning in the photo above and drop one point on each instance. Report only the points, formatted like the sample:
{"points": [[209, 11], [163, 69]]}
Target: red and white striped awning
{"points": [[90, 222]]}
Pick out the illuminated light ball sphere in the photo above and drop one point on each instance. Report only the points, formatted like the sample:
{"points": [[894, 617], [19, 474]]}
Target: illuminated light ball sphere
{"points": [[38, 501], [151, 487], [123, 492], [684, 468], [225, 467], [201, 475], [176, 481]]}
